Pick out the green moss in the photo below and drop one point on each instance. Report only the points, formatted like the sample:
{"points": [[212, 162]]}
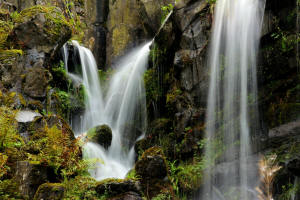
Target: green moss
{"points": [[53, 191], [153, 90], [9, 190], [5, 29], [80, 187], [55, 21]]}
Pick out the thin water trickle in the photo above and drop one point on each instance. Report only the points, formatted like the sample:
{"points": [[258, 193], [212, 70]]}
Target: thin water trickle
{"points": [[122, 107], [232, 90]]}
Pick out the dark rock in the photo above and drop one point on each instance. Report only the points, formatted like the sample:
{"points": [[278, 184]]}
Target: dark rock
{"points": [[279, 135], [196, 34], [29, 177], [128, 196], [294, 167], [50, 191], [101, 135], [190, 11], [113, 187], [152, 165], [36, 82], [268, 23], [131, 134]]}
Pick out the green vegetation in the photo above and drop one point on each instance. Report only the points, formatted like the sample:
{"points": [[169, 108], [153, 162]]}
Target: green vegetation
{"points": [[166, 10], [55, 21], [288, 191], [81, 188], [153, 90], [187, 176]]}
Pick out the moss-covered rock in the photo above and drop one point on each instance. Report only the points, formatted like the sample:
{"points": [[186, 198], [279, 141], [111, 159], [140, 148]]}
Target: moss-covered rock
{"points": [[153, 172], [101, 135], [43, 28], [49, 191], [152, 164]]}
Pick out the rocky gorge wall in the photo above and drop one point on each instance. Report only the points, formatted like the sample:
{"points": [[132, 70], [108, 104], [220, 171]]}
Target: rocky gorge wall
{"points": [[169, 161]]}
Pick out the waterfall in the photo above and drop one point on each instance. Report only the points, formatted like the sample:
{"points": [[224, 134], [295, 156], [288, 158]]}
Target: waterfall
{"points": [[231, 97], [122, 107]]}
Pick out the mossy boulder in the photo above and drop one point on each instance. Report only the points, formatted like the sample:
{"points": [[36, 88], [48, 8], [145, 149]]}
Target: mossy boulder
{"points": [[115, 187], [101, 135], [41, 27], [152, 164], [49, 191], [153, 171]]}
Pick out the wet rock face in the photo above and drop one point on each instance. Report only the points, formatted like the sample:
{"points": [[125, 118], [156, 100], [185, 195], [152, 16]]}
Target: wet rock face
{"points": [[101, 135], [36, 82], [130, 23], [49, 191]]}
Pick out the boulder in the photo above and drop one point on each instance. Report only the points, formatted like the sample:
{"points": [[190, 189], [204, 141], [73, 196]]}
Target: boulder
{"points": [[101, 135], [152, 165], [114, 187], [50, 191], [42, 28]]}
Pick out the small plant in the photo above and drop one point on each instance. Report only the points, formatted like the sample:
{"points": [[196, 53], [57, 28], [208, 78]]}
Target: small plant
{"points": [[267, 170], [166, 10]]}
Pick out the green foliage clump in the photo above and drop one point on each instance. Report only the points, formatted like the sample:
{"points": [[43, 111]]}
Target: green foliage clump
{"points": [[162, 197], [57, 149], [11, 149], [11, 142], [9, 190], [288, 191], [81, 188], [186, 177], [74, 20]]}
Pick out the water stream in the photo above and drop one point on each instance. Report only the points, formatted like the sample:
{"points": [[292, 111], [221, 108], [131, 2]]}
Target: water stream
{"points": [[232, 96], [122, 107]]}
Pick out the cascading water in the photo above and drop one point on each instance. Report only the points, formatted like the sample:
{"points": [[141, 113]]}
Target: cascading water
{"points": [[232, 96], [123, 108]]}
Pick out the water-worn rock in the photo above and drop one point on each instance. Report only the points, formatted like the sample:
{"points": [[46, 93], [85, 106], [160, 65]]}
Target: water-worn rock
{"points": [[101, 135], [49, 191], [114, 187]]}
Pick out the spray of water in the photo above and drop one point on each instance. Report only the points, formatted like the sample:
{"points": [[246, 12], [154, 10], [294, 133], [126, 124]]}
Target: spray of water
{"points": [[122, 107], [232, 89]]}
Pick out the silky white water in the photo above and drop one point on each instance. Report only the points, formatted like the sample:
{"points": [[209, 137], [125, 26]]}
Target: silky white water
{"points": [[122, 107], [231, 97]]}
